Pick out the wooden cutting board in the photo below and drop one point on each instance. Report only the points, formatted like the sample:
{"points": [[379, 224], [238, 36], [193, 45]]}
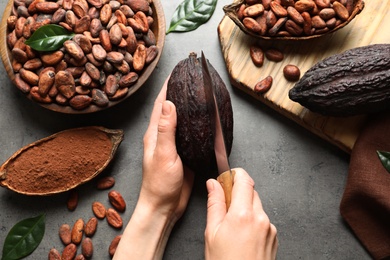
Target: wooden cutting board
{"points": [[369, 27]]}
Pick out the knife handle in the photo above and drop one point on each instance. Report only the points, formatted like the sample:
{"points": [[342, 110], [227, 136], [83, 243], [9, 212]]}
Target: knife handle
{"points": [[226, 180]]}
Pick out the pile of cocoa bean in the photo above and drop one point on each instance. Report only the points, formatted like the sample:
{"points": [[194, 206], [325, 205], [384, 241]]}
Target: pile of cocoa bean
{"points": [[292, 18], [112, 45], [81, 232]]}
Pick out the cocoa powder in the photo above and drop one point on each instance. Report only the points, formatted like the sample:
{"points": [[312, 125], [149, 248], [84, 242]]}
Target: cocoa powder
{"points": [[59, 163]]}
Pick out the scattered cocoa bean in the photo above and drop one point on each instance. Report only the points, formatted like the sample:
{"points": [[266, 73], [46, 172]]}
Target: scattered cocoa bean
{"points": [[113, 245], [69, 252], [291, 72], [263, 86], [65, 234], [257, 55], [274, 55], [113, 218], [77, 231], [87, 247], [73, 200], [54, 254], [117, 200], [90, 227], [99, 210], [105, 183]]}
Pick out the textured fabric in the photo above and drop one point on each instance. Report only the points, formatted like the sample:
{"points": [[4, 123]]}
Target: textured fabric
{"points": [[365, 205]]}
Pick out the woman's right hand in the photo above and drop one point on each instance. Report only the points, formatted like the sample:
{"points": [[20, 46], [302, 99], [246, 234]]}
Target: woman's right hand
{"points": [[242, 232]]}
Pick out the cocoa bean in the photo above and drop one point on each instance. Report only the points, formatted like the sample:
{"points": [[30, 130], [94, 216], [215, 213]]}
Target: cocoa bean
{"points": [[115, 34], [69, 252], [74, 49], [77, 231], [51, 59], [278, 9], [19, 55], [80, 102], [80, 257], [87, 247], [34, 94], [291, 72], [257, 55], [253, 10], [117, 200], [29, 77], [33, 64], [274, 55], [54, 254], [21, 84], [99, 210], [341, 11], [92, 71], [105, 183], [119, 94], [111, 85], [99, 98], [151, 54], [105, 14], [73, 200], [113, 218], [139, 57], [90, 227], [114, 244], [263, 86], [65, 234]]}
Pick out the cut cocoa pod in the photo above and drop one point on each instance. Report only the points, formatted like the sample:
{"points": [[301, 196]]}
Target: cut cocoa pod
{"points": [[194, 135], [60, 162], [354, 82]]}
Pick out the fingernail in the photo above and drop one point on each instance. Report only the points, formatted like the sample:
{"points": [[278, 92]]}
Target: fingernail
{"points": [[166, 108], [210, 186]]}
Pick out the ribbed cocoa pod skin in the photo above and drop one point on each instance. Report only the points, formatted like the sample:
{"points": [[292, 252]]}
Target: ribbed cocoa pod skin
{"points": [[354, 82], [194, 138]]}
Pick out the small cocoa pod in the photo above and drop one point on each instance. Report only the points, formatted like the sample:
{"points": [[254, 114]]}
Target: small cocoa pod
{"points": [[113, 218], [87, 247], [117, 200], [77, 231], [99, 210], [65, 234], [54, 254], [113, 245], [194, 138], [69, 252]]}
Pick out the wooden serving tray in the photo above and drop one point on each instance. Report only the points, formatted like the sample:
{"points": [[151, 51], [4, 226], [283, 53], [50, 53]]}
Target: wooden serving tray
{"points": [[369, 27]]}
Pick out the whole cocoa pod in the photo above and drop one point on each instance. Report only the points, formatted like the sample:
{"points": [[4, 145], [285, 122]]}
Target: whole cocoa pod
{"points": [[354, 82], [194, 135]]}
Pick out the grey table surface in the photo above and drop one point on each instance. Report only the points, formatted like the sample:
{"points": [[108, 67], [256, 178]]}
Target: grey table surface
{"points": [[300, 177]]}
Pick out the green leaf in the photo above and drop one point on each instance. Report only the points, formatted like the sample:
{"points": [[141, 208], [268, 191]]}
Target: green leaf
{"points": [[191, 14], [23, 238], [49, 37], [385, 159]]}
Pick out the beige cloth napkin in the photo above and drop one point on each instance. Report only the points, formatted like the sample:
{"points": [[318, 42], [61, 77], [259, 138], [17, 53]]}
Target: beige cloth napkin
{"points": [[365, 205]]}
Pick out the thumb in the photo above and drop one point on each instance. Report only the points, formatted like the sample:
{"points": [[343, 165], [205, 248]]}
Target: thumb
{"points": [[216, 207], [166, 127]]}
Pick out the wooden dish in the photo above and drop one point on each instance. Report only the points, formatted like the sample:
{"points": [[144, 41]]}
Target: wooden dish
{"points": [[231, 12], [158, 29], [47, 177]]}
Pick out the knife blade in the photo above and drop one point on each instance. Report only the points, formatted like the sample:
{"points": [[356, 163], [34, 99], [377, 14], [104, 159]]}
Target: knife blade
{"points": [[226, 175]]}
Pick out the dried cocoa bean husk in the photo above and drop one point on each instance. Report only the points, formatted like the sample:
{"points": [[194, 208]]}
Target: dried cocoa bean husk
{"points": [[56, 163]]}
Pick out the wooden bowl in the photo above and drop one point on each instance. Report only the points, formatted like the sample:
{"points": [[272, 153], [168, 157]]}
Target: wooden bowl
{"points": [[158, 29], [232, 12]]}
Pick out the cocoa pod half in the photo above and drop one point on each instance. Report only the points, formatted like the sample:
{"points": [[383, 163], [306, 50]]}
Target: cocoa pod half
{"points": [[354, 82], [194, 135]]}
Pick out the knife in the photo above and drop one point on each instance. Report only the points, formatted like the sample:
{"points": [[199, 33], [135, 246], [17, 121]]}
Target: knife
{"points": [[226, 175]]}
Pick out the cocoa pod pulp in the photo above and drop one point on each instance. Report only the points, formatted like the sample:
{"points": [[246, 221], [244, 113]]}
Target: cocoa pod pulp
{"points": [[194, 135], [354, 82]]}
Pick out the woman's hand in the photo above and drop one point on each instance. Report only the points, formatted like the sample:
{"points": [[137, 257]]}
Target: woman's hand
{"points": [[166, 184], [242, 232], [165, 190]]}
